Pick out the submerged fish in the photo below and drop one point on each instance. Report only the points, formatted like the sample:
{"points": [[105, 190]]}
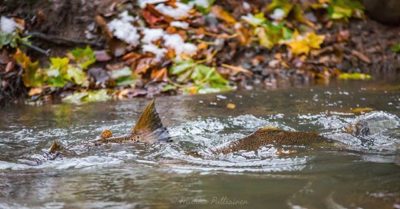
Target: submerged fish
{"points": [[268, 135]]}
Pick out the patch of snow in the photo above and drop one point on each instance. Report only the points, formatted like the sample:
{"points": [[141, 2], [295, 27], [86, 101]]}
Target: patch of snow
{"points": [[246, 5], [179, 24], [175, 41], [150, 35], [202, 3], [159, 52], [143, 3], [7, 25], [122, 28], [250, 18], [53, 72], [278, 14], [179, 12]]}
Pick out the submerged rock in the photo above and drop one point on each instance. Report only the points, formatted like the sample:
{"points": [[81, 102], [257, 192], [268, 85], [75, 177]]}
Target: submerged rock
{"points": [[372, 123]]}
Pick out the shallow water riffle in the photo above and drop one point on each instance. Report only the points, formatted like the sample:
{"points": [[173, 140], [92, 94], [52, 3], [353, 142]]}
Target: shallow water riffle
{"points": [[348, 172]]}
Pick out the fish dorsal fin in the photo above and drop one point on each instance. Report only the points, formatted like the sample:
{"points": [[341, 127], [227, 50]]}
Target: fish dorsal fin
{"points": [[149, 121]]}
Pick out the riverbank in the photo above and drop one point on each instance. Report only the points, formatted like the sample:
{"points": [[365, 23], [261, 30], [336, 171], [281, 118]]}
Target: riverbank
{"points": [[130, 49]]}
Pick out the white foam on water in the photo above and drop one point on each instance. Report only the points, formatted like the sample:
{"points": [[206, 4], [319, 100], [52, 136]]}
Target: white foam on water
{"points": [[206, 134]]}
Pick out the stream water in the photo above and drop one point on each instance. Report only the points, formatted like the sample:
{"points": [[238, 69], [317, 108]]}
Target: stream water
{"points": [[359, 173]]}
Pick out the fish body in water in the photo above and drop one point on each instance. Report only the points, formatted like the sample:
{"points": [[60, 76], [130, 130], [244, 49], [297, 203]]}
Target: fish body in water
{"points": [[148, 129], [268, 135]]}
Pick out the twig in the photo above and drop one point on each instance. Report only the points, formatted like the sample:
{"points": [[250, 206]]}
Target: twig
{"points": [[62, 40], [38, 49]]}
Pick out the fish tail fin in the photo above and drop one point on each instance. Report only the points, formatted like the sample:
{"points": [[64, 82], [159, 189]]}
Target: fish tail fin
{"points": [[149, 124], [55, 147]]}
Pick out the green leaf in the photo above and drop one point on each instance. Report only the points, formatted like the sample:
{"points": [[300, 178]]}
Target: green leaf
{"points": [[202, 76], [396, 48], [255, 20], [344, 9], [76, 75], [59, 63], [57, 72], [33, 75], [169, 87], [85, 97], [181, 67], [123, 72], [75, 98], [84, 57], [5, 39], [97, 96], [354, 76], [284, 5], [123, 77]]}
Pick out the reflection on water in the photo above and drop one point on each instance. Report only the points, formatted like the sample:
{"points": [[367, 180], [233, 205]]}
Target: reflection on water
{"points": [[355, 172]]}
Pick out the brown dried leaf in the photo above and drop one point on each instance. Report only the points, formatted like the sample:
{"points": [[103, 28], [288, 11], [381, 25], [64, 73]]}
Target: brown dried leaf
{"points": [[221, 14], [159, 75]]}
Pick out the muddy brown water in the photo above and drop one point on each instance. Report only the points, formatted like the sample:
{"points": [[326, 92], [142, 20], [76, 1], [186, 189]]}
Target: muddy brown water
{"points": [[363, 173]]}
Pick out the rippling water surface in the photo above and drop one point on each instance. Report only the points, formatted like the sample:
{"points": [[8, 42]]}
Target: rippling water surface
{"points": [[356, 172]]}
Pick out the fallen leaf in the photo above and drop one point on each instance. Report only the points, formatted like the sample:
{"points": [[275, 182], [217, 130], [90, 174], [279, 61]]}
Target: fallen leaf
{"points": [[84, 57], [238, 69], [159, 75], [303, 44], [221, 14], [230, 106], [35, 91], [33, 76], [354, 76], [361, 56], [361, 110]]}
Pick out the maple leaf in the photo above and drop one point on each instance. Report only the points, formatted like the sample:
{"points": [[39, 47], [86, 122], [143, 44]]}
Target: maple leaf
{"points": [[33, 75], [304, 44]]}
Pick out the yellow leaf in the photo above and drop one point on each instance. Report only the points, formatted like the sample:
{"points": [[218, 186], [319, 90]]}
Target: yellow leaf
{"points": [[303, 44], [361, 110], [231, 106], [354, 76], [314, 40]]}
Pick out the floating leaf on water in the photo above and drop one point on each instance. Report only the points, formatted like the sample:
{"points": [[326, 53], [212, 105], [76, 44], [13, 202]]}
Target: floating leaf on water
{"points": [[361, 110], [75, 98], [97, 96], [89, 96], [354, 76], [231, 106]]}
